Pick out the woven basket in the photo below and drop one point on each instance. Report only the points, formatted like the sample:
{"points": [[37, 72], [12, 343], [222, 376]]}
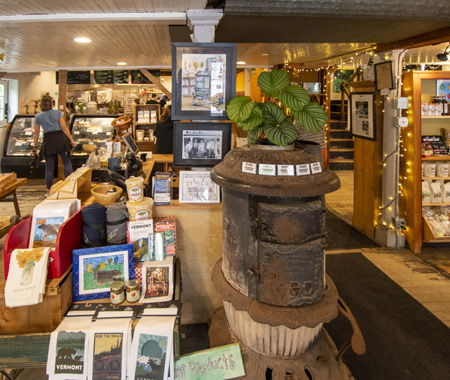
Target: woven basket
{"points": [[102, 196], [122, 123]]}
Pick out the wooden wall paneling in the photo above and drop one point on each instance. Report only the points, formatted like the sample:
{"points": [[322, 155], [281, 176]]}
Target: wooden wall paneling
{"points": [[199, 246], [366, 181]]}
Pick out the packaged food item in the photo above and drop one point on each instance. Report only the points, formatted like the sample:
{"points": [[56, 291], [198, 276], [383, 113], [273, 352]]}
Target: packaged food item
{"points": [[135, 188], [133, 291], [426, 192], [429, 169], [140, 210], [436, 194], [117, 292], [442, 169], [445, 190]]}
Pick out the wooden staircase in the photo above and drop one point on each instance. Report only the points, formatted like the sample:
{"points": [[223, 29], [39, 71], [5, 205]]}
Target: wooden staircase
{"points": [[341, 139]]}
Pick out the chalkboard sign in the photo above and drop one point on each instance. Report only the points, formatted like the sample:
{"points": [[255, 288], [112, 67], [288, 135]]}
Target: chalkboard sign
{"points": [[76, 77], [121, 76], [104, 77], [138, 78]]}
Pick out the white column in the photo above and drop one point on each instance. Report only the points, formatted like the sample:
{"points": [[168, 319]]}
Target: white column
{"points": [[203, 23], [391, 151]]}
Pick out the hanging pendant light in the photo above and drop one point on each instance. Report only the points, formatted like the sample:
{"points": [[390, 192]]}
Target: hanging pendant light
{"points": [[443, 56]]}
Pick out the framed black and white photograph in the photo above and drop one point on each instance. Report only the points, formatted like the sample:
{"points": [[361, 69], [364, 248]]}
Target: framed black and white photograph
{"points": [[384, 76], [203, 80], [200, 144], [362, 115]]}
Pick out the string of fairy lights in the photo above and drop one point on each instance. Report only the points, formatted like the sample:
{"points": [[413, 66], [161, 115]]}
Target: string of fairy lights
{"points": [[360, 60]]}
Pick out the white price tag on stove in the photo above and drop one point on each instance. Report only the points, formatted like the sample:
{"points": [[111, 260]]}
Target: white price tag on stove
{"points": [[303, 169], [285, 170], [267, 169], [315, 167], [249, 167]]}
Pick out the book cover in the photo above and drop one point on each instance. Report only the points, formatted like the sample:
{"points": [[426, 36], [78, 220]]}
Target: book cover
{"points": [[162, 189], [167, 227]]}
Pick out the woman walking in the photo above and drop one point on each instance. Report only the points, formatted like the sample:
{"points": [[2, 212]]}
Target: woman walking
{"points": [[57, 139]]}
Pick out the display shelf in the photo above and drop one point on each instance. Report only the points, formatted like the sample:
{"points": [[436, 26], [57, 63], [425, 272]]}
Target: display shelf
{"points": [[436, 158], [419, 86], [435, 116], [435, 204], [144, 123], [435, 178], [430, 237]]}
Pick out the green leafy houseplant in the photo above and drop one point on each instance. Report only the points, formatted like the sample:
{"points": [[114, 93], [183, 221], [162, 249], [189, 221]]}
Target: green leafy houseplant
{"points": [[269, 118]]}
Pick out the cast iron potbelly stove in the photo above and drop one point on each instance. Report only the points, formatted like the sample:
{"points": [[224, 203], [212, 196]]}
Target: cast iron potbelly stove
{"points": [[272, 278]]}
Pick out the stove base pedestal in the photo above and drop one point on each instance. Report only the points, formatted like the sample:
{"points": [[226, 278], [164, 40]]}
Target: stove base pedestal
{"points": [[318, 363]]}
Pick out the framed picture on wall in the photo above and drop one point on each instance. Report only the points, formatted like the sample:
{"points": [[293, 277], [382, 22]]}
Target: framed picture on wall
{"points": [[203, 80], [362, 115], [384, 76], [200, 144]]}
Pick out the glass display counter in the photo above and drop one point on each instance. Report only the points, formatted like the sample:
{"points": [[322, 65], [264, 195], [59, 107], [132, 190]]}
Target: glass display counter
{"points": [[18, 148], [90, 130]]}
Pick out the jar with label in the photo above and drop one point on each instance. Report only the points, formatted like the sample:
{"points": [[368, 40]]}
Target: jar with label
{"points": [[117, 292], [135, 188], [133, 291], [442, 169]]}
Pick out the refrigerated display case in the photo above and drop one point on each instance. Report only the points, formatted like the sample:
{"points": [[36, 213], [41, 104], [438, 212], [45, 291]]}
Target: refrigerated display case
{"points": [[18, 148], [90, 130]]}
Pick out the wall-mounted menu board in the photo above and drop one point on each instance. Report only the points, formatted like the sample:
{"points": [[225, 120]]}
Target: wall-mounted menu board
{"points": [[111, 76], [76, 77], [138, 78], [121, 76], [104, 76]]}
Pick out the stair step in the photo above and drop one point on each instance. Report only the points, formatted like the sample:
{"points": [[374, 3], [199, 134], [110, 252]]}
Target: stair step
{"points": [[341, 164], [341, 153], [340, 134], [341, 143], [337, 124]]}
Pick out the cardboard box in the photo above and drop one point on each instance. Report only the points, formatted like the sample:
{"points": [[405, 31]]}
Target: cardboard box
{"points": [[42, 317]]}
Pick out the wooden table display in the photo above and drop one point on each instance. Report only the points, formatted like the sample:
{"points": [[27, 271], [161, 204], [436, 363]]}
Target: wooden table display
{"points": [[9, 189]]}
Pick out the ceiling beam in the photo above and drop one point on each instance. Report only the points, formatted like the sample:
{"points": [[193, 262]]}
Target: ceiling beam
{"points": [[431, 38], [173, 18], [156, 82]]}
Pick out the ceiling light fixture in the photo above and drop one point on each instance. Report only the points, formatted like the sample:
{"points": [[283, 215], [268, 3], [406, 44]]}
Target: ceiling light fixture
{"points": [[121, 63], [443, 56], [82, 40], [241, 62]]}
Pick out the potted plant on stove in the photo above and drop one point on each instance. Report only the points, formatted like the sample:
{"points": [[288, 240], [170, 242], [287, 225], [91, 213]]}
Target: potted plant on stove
{"points": [[271, 122]]}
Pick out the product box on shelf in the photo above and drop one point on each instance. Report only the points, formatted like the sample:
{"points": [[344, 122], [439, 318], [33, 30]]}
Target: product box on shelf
{"points": [[68, 239], [42, 317]]}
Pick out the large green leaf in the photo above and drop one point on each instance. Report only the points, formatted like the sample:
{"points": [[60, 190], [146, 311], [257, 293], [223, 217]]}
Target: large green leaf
{"points": [[253, 135], [282, 134], [294, 97], [271, 83], [254, 120], [239, 108], [272, 113], [312, 117]]}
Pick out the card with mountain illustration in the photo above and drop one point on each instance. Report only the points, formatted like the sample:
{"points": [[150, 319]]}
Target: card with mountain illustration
{"points": [[107, 360]]}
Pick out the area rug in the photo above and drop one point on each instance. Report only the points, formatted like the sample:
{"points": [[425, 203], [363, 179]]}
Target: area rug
{"points": [[404, 340], [341, 235]]}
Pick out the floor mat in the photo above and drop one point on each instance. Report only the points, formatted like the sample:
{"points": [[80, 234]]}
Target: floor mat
{"points": [[341, 235], [404, 340]]}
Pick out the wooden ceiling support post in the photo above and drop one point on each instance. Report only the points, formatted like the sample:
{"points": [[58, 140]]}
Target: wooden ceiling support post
{"points": [[156, 82], [62, 91], [2, 74]]}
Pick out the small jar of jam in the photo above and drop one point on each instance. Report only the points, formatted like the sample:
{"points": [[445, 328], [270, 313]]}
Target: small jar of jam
{"points": [[117, 292], [133, 291]]}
